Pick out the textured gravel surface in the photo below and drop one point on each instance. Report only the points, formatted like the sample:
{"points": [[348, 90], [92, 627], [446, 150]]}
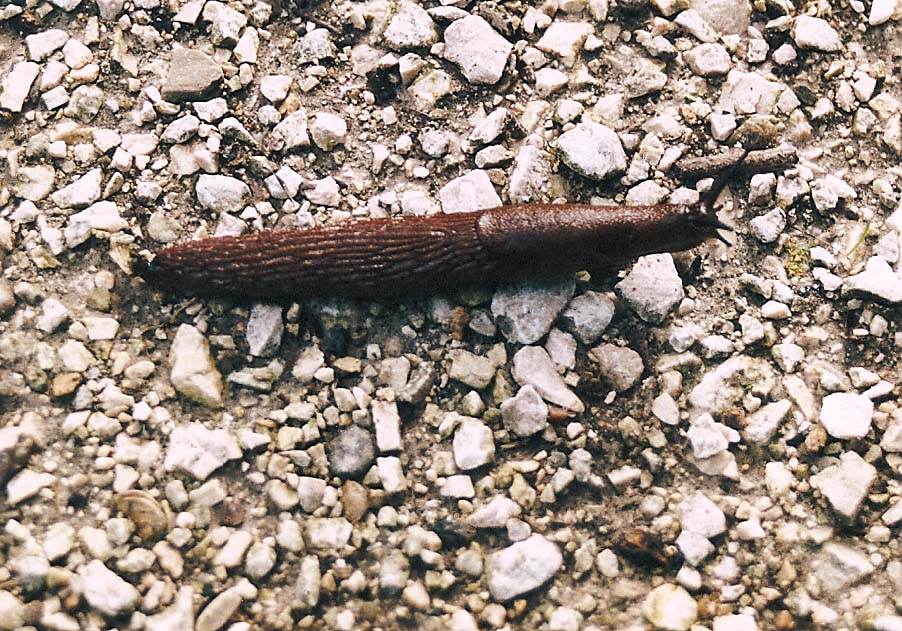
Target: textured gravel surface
{"points": [[708, 441]]}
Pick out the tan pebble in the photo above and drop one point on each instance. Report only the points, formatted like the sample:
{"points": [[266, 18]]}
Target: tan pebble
{"points": [[65, 384], [784, 621], [355, 500]]}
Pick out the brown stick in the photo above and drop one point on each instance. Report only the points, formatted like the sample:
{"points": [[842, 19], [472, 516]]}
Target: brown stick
{"points": [[775, 159]]}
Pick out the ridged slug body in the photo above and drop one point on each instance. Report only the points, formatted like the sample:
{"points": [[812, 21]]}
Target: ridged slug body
{"points": [[396, 257]]}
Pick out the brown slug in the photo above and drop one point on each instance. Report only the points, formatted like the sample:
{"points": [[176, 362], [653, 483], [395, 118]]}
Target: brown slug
{"points": [[404, 256]]}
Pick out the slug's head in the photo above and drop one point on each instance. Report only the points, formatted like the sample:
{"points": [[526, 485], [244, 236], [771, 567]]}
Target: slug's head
{"points": [[698, 223], [668, 228], [706, 225]]}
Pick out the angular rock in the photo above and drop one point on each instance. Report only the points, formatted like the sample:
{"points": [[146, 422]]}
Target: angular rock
{"points": [[762, 424], [652, 288], [847, 415], [471, 191], [474, 445], [708, 439], [191, 368], [530, 177], [292, 130], [700, 515], [225, 23], [470, 369], [26, 484], [522, 567], [565, 39], [532, 366], [477, 49], [494, 514], [17, 84], [525, 312], [588, 315], [106, 592], [34, 183], [221, 193], [621, 367], [81, 193], [708, 60], [328, 533], [592, 150], [768, 227], [391, 475], [410, 27], [727, 17], [43, 44], [846, 485], [387, 423], [328, 130], [199, 451], [193, 76], [815, 34], [839, 566], [878, 282], [525, 414], [264, 329]]}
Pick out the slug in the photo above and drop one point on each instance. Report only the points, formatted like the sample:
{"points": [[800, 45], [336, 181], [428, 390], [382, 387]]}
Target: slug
{"points": [[405, 256]]}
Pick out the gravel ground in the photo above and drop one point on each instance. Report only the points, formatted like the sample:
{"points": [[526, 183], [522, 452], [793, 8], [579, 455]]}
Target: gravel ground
{"points": [[706, 441]]}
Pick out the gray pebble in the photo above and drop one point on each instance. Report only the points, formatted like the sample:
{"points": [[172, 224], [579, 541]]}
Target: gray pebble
{"points": [[470, 369], [471, 191], [530, 176], [221, 193], [522, 567], [477, 49], [621, 367], [526, 311], [592, 150], [410, 27], [588, 315], [193, 76], [351, 453], [316, 45], [768, 227], [533, 366], [264, 329], [847, 484], [525, 414], [474, 445], [652, 288]]}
